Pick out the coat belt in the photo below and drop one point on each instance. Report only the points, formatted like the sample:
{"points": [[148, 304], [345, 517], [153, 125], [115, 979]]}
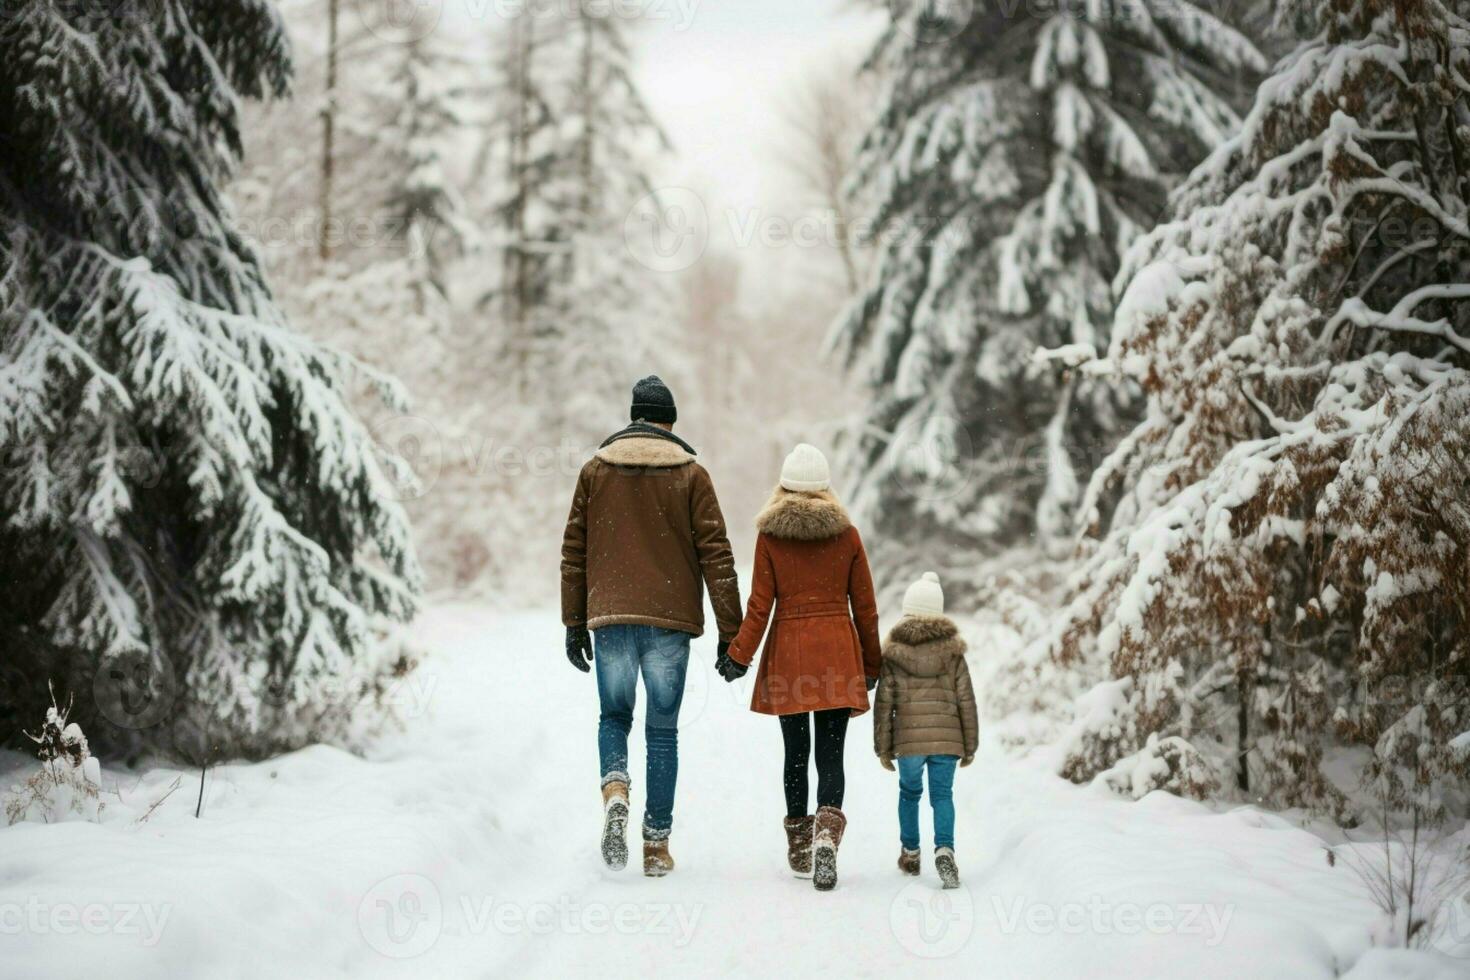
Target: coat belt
{"points": [[806, 610]]}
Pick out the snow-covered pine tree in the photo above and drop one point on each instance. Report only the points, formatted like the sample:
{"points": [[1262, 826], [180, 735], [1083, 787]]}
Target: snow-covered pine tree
{"points": [[184, 492], [621, 322], [426, 204], [568, 142], [1012, 160], [1286, 570]]}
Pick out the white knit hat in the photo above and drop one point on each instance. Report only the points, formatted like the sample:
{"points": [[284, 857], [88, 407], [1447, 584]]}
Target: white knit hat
{"points": [[924, 597], [805, 470]]}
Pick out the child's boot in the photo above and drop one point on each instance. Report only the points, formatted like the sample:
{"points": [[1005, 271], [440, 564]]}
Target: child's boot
{"points": [[908, 861], [949, 872]]}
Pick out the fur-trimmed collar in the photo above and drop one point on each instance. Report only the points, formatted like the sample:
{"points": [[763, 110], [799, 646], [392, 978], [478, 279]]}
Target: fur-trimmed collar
{"points": [[914, 630], [924, 645], [802, 516], [641, 444]]}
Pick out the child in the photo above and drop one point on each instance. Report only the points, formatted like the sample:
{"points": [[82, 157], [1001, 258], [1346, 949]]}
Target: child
{"points": [[925, 718]]}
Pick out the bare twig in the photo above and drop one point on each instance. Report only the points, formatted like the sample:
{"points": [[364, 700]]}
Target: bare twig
{"points": [[178, 781]]}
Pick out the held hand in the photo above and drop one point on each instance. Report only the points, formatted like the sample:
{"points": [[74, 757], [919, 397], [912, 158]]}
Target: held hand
{"points": [[872, 682], [726, 666], [887, 762], [579, 647]]}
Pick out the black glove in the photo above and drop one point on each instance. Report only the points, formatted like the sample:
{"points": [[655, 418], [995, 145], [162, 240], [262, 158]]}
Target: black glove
{"points": [[872, 682], [727, 667], [579, 647]]}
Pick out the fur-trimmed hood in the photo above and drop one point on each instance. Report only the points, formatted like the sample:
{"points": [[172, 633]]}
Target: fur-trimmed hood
{"points": [[802, 516], [641, 444], [924, 645]]}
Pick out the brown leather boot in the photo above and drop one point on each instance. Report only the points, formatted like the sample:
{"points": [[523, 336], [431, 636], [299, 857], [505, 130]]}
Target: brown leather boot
{"points": [[908, 861], [656, 859], [799, 845], [615, 825], [826, 838]]}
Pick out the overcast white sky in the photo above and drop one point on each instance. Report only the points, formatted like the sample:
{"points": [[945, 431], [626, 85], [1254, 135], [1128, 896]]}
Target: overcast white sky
{"points": [[715, 73]]}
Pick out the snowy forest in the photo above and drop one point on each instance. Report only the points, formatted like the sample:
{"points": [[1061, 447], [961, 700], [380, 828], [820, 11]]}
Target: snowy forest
{"points": [[1145, 324]]}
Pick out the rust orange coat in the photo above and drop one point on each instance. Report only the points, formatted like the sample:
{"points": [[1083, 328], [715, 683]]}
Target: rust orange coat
{"points": [[812, 586]]}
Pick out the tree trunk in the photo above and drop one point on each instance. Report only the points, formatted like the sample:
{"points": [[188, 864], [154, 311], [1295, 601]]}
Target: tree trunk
{"points": [[329, 127], [1243, 688], [516, 272]]}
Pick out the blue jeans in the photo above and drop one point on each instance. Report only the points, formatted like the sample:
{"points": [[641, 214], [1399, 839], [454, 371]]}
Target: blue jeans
{"points": [[941, 797], [663, 657]]}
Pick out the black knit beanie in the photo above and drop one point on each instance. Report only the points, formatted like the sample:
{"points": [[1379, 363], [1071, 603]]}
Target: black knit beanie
{"points": [[653, 401]]}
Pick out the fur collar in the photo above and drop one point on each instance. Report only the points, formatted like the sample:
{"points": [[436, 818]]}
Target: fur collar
{"points": [[924, 645], [641, 444], [802, 516], [914, 630]]}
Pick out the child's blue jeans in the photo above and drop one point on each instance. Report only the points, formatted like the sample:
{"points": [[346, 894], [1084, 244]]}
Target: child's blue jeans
{"points": [[662, 656], [941, 797]]}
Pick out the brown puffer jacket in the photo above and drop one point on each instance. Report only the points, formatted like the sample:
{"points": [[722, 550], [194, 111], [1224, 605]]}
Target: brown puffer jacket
{"points": [[925, 704], [644, 537]]}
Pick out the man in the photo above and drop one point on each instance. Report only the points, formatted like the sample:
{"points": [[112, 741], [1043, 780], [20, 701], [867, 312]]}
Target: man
{"points": [[644, 536]]}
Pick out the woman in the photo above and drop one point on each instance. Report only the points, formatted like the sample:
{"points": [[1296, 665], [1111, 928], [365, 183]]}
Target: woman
{"points": [[822, 657]]}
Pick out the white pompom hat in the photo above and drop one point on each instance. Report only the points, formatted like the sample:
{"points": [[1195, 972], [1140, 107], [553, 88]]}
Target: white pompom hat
{"points": [[924, 597], [805, 470]]}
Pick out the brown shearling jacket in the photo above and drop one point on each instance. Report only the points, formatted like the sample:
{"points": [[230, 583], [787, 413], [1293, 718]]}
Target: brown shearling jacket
{"points": [[645, 536]]}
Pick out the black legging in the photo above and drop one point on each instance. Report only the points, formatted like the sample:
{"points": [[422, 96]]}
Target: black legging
{"points": [[831, 733]]}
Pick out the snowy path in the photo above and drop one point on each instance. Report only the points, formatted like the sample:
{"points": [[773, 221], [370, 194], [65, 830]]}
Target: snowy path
{"points": [[466, 848]]}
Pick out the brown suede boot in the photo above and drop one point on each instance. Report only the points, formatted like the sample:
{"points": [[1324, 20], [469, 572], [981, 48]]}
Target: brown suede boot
{"points": [[615, 825], [799, 845], [826, 838], [908, 861], [656, 859]]}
